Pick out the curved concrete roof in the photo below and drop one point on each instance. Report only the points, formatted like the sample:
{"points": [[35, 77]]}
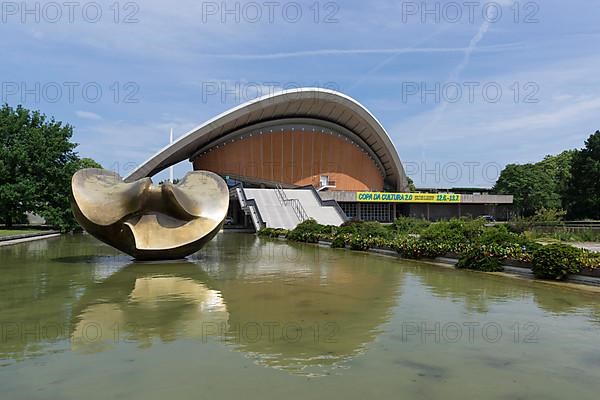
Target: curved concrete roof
{"points": [[314, 103]]}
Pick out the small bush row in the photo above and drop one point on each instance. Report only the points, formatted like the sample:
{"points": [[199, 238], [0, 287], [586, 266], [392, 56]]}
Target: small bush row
{"points": [[479, 259], [272, 232], [556, 261], [476, 245]]}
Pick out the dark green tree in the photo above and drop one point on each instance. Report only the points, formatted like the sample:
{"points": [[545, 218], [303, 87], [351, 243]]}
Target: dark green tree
{"points": [[559, 167], [87, 163], [56, 210], [583, 191], [532, 185], [37, 160], [411, 185]]}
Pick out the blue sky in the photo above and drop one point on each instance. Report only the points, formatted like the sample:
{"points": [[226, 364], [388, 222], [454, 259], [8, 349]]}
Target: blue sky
{"points": [[170, 57]]}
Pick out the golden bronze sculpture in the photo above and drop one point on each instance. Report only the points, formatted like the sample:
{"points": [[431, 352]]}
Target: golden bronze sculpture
{"points": [[146, 221]]}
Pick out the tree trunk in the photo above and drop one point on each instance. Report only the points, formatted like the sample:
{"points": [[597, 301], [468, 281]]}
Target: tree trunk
{"points": [[8, 221]]}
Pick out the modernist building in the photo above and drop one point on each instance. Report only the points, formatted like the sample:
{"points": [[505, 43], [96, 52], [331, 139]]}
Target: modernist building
{"points": [[317, 139]]}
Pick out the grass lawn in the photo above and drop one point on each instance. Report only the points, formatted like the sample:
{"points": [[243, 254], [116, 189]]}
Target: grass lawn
{"points": [[14, 232]]}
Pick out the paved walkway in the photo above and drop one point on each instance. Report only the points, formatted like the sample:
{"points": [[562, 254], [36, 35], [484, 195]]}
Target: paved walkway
{"points": [[10, 240], [591, 246]]}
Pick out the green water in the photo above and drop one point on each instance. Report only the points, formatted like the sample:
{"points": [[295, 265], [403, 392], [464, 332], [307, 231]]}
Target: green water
{"points": [[250, 318]]}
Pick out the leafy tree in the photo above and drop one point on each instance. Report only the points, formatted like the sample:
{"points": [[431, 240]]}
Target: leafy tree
{"points": [[56, 210], [87, 163], [559, 167], [569, 180], [548, 215], [411, 185], [533, 186], [37, 160], [583, 194]]}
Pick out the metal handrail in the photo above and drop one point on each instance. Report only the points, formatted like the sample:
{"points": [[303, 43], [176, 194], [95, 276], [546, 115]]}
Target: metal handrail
{"points": [[249, 207], [294, 203], [327, 203], [298, 209], [280, 195]]}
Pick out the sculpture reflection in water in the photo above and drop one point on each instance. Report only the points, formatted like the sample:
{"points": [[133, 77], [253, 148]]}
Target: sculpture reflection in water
{"points": [[142, 303], [146, 221]]}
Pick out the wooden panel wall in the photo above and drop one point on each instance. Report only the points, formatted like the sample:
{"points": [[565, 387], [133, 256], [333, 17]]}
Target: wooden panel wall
{"points": [[295, 157]]}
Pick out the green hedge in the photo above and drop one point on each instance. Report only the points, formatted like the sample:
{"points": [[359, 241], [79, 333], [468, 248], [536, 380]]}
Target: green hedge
{"points": [[476, 245], [308, 231], [272, 232], [556, 261], [338, 242], [416, 248], [479, 259]]}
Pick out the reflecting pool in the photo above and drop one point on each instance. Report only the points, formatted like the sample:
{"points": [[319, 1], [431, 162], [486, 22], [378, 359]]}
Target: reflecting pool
{"points": [[256, 318]]}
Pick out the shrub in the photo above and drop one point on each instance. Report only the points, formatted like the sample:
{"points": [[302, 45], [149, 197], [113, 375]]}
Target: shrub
{"points": [[502, 252], [589, 260], [520, 225], [328, 231], [307, 231], [381, 242], [499, 234], [501, 242], [281, 232], [350, 225], [338, 242], [415, 248], [556, 261], [560, 233], [409, 225], [358, 242], [471, 228], [549, 215], [479, 260], [454, 231], [373, 229], [272, 232], [264, 232], [587, 235]]}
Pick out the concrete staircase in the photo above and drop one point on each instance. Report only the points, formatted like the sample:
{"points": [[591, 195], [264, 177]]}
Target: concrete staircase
{"points": [[286, 208]]}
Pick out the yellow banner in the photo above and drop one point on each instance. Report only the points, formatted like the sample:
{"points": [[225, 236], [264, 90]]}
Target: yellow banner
{"points": [[407, 197]]}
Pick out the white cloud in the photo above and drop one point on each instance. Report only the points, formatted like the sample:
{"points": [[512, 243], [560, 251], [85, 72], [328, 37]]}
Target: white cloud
{"points": [[88, 115], [508, 131], [550, 118], [374, 51]]}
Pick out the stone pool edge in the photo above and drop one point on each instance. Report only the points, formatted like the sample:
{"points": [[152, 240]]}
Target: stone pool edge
{"points": [[582, 282], [27, 237]]}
